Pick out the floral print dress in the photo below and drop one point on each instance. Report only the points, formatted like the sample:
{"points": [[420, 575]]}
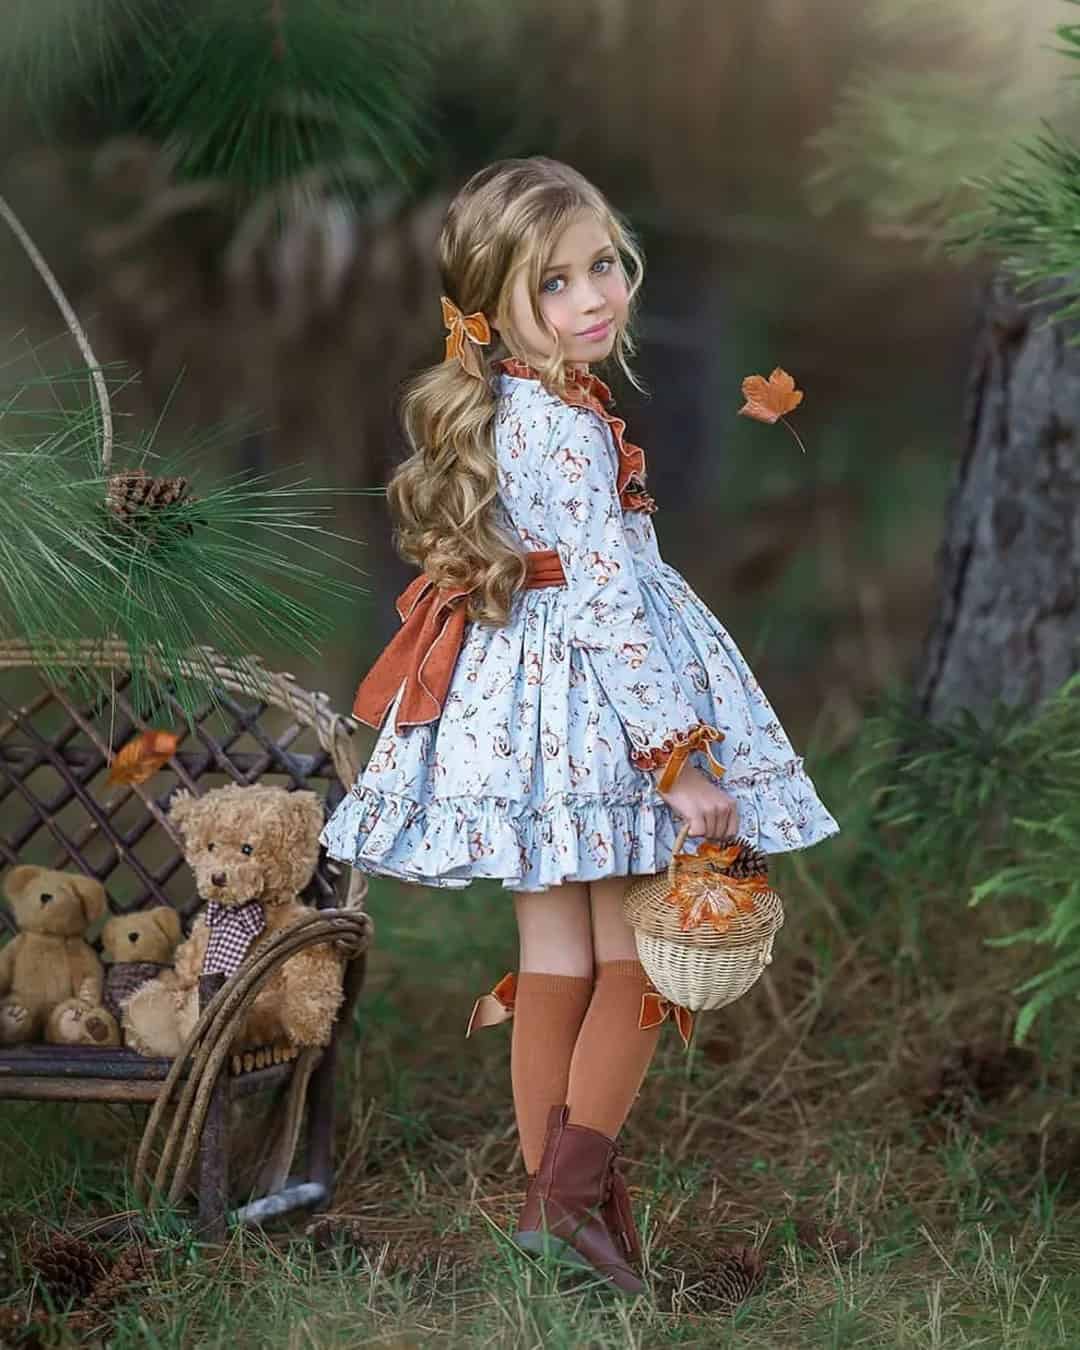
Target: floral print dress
{"points": [[537, 770]]}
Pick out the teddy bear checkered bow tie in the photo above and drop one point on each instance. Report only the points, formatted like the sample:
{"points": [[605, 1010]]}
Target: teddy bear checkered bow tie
{"points": [[233, 928]]}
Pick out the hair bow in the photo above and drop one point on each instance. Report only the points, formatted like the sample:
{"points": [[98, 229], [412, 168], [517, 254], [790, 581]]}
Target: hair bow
{"points": [[655, 1008], [465, 333], [490, 1010]]}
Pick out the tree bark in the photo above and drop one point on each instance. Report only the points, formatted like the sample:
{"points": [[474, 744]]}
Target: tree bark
{"points": [[1008, 619]]}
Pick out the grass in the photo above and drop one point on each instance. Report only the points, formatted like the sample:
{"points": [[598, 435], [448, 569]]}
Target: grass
{"points": [[865, 1088]]}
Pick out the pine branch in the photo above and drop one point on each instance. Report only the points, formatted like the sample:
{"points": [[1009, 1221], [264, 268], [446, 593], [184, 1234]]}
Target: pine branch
{"points": [[75, 327]]}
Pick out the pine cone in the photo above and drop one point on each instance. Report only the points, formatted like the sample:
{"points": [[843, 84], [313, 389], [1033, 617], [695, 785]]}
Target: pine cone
{"points": [[736, 1272], [751, 862], [135, 490], [66, 1265], [133, 1267]]}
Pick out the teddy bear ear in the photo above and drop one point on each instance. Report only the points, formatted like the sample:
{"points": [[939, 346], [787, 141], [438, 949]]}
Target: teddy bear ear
{"points": [[91, 895], [18, 878], [308, 810], [168, 920], [181, 807]]}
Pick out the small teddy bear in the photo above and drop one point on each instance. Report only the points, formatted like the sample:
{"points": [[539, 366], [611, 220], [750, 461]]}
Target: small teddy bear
{"points": [[50, 976], [137, 947], [252, 848]]}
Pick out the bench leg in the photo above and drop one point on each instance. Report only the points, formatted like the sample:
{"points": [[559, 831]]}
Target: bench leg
{"points": [[214, 1165], [320, 1150], [214, 1144]]}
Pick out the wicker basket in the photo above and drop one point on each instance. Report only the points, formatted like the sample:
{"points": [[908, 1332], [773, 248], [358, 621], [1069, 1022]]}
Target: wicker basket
{"points": [[702, 967]]}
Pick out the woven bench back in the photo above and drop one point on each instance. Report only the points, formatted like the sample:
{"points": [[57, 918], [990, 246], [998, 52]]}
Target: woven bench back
{"points": [[59, 810]]}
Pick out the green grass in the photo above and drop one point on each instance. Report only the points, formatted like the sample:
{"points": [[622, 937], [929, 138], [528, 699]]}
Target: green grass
{"points": [[823, 1096]]}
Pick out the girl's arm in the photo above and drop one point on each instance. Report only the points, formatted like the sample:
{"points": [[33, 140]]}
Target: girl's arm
{"points": [[607, 618]]}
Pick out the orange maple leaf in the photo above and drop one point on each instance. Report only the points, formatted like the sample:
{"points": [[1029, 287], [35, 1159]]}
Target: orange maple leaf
{"points": [[768, 400], [710, 898], [143, 755]]}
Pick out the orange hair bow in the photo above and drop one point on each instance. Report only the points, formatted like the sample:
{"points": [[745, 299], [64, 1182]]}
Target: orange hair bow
{"points": [[465, 333], [491, 1010], [655, 1008]]}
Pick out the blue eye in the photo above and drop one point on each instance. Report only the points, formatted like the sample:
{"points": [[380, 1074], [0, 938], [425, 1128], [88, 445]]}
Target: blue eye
{"points": [[605, 263], [551, 281]]}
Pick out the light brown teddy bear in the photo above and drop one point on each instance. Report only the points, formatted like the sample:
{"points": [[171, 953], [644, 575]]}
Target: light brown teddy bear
{"points": [[137, 947], [252, 849], [50, 976]]}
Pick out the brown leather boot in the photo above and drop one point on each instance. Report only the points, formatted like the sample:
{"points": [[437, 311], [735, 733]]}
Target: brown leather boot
{"points": [[564, 1208], [617, 1213]]}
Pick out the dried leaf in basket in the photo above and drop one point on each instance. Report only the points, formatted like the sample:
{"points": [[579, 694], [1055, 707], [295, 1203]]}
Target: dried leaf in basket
{"points": [[707, 895], [141, 758]]}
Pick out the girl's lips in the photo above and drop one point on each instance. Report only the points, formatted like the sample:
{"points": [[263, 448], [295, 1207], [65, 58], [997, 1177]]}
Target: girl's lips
{"points": [[599, 331]]}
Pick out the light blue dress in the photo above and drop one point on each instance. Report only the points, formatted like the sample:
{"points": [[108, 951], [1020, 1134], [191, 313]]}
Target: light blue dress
{"points": [[529, 775]]}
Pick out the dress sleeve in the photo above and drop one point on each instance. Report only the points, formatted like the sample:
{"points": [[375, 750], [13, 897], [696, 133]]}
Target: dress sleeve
{"points": [[607, 617]]}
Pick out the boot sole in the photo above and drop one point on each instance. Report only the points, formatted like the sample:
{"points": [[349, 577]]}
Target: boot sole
{"points": [[540, 1243]]}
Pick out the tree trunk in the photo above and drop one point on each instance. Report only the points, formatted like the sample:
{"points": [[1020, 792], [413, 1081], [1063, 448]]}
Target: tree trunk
{"points": [[1008, 619]]}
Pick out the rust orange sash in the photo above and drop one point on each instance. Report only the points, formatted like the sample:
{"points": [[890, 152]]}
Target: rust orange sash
{"points": [[424, 652]]}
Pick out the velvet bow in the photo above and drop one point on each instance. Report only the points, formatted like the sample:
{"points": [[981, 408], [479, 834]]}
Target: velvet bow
{"points": [[699, 739], [465, 332], [491, 1010], [655, 1009]]}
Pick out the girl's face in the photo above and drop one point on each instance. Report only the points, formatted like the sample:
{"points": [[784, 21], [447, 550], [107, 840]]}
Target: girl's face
{"points": [[583, 296]]}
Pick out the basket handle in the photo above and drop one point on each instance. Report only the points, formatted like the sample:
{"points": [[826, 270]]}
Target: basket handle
{"points": [[680, 840]]}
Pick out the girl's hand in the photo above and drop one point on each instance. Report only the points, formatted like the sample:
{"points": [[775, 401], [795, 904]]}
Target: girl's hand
{"points": [[710, 812]]}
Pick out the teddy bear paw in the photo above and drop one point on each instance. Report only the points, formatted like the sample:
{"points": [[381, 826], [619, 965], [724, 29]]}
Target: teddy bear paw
{"points": [[15, 1023]]}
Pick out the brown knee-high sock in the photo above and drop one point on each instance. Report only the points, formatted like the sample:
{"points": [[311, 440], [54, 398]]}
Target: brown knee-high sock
{"points": [[547, 1016], [612, 1053]]}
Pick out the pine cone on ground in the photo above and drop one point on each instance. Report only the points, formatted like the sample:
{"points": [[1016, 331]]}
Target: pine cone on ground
{"points": [[66, 1265], [128, 1275], [733, 1275]]}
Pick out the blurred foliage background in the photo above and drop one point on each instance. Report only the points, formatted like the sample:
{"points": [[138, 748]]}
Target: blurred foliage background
{"points": [[791, 172]]}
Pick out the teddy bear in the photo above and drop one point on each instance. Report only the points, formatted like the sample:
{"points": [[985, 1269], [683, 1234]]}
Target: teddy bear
{"points": [[50, 976], [252, 849], [137, 947]]}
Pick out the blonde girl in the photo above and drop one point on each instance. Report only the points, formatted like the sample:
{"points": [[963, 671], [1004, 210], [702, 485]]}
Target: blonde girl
{"points": [[557, 700]]}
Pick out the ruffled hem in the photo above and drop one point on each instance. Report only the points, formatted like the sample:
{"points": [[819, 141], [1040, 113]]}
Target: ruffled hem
{"points": [[450, 842]]}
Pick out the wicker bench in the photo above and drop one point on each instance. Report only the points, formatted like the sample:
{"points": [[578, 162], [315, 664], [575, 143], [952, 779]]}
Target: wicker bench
{"points": [[58, 810]]}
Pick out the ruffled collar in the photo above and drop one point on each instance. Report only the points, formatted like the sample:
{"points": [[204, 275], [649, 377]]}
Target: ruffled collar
{"points": [[586, 390]]}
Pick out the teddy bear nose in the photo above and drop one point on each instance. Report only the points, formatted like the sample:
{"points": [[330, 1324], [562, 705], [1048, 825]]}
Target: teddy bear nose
{"points": [[45, 897], [218, 878], [133, 937]]}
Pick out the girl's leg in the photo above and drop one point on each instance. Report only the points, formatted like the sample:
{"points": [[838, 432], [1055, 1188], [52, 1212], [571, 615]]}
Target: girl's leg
{"points": [[612, 1054], [554, 985]]}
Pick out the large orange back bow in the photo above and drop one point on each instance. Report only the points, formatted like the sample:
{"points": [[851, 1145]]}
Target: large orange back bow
{"points": [[465, 332]]}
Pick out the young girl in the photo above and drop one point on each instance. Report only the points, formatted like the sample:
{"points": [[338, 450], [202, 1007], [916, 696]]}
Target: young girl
{"points": [[554, 704]]}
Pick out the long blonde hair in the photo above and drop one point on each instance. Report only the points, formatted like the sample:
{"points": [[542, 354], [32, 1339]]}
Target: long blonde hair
{"points": [[503, 222]]}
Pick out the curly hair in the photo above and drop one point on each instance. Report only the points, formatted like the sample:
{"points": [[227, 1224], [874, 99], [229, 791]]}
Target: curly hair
{"points": [[502, 223]]}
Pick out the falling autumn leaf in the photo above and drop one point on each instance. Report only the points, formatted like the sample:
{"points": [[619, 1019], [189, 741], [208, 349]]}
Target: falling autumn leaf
{"points": [[141, 758], [768, 400]]}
